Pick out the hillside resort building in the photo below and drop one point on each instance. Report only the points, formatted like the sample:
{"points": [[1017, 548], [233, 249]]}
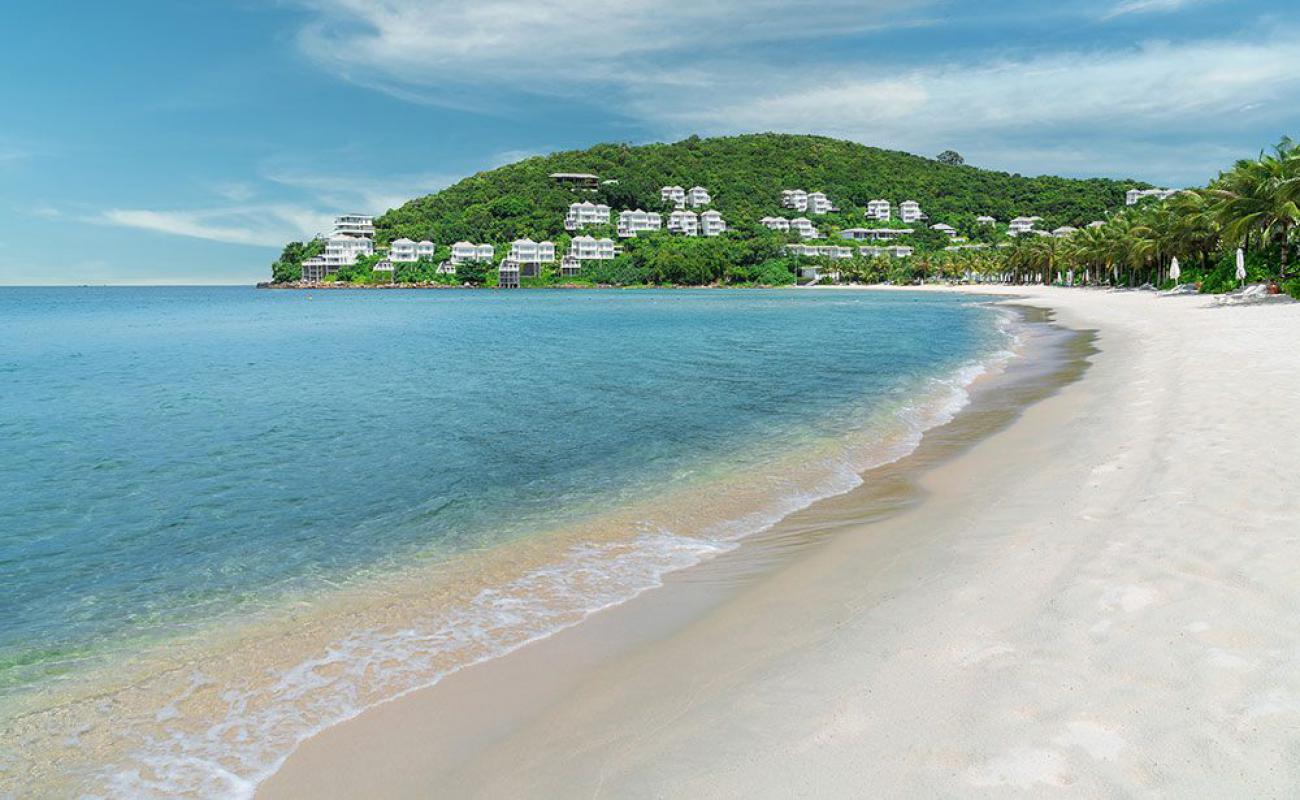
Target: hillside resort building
{"points": [[526, 251], [880, 210], [1021, 225], [808, 202], [819, 203], [1133, 196], [711, 223], [635, 221], [909, 211], [687, 223], [405, 251], [895, 251], [674, 196], [462, 252], [804, 227], [353, 237], [775, 223], [586, 213], [795, 198], [586, 248], [698, 196], [823, 250], [875, 234]]}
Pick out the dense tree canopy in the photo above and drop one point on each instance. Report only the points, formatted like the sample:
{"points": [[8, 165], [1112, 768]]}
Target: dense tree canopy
{"points": [[745, 175]]}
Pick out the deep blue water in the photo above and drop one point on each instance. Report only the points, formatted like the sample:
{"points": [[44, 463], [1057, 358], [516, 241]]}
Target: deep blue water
{"points": [[170, 455]]}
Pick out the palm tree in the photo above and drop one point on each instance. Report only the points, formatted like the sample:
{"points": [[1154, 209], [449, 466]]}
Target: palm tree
{"points": [[1261, 196]]}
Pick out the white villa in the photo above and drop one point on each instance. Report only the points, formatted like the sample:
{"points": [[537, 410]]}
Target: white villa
{"points": [[946, 229], [406, 251], [686, 223], [896, 251], [712, 224], [352, 238], [698, 196], [355, 225], [1096, 223], [1021, 225], [879, 210], [819, 203], [675, 195], [466, 251], [526, 251], [804, 227], [630, 223], [957, 248], [1064, 231], [909, 211], [775, 223], [402, 250], [586, 248], [1132, 196], [879, 234], [340, 250], [586, 213], [795, 198], [985, 220], [813, 250]]}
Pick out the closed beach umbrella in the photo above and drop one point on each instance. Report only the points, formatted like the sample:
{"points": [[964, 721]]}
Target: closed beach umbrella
{"points": [[1174, 271], [1241, 264]]}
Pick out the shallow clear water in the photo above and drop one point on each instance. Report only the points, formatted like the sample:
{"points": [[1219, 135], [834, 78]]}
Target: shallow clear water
{"points": [[174, 454]]}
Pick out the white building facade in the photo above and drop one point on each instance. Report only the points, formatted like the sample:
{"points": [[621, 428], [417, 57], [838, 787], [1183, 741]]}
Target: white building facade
{"points": [[698, 196], [586, 213], [775, 223], [526, 251], [461, 252], [1133, 196], [819, 203], [674, 196], [804, 227], [630, 223], [909, 211], [687, 223], [712, 224], [795, 198], [587, 248], [879, 210], [1021, 225]]}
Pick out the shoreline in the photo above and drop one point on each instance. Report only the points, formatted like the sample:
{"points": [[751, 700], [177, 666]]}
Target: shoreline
{"points": [[1059, 357], [179, 696], [1093, 600]]}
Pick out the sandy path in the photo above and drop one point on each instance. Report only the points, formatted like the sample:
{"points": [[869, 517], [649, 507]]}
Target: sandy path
{"points": [[1101, 600]]}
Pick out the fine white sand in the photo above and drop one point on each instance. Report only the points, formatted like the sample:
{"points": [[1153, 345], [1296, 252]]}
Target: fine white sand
{"points": [[1101, 600]]}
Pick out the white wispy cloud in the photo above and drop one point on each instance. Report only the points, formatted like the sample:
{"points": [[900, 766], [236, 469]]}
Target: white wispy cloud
{"points": [[421, 50], [1148, 6], [724, 67], [1157, 85], [269, 225]]}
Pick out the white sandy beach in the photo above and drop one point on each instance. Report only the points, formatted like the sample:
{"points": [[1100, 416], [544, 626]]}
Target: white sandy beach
{"points": [[1100, 600]]}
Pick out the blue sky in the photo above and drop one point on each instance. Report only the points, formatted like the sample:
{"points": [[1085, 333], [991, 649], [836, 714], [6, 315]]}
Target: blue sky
{"points": [[164, 142]]}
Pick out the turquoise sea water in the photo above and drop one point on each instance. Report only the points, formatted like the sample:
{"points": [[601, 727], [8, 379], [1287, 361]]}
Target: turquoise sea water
{"points": [[173, 456]]}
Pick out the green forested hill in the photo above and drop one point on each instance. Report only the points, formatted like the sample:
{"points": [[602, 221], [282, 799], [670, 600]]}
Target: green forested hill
{"points": [[745, 175]]}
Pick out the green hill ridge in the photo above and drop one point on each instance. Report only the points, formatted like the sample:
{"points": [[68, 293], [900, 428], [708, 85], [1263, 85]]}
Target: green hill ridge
{"points": [[745, 175]]}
